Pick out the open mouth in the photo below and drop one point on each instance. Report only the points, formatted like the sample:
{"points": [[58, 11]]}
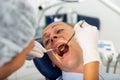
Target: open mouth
{"points": [[62, 49]]}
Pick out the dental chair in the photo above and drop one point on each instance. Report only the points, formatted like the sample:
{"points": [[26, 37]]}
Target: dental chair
{"points": [[45, 67]]}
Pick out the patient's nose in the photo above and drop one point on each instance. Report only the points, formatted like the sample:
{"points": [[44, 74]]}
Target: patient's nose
{"points": [[53, 38]]}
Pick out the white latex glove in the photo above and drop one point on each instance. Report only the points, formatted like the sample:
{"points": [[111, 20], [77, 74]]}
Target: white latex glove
{"points": [[37, 51], [87, 37]]}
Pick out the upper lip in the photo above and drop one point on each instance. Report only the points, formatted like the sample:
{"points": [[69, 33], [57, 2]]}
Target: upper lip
{"points": [[58, 44]]}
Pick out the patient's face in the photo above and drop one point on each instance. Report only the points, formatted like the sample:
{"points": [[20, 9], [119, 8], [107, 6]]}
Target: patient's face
{"points": [[56, 34]]}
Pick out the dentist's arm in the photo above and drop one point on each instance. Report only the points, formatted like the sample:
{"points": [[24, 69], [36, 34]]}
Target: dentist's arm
{"points": [[87, 37]]}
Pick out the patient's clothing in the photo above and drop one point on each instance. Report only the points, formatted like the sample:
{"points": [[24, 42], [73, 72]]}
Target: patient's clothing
{"points": [[109, 76], [79, 76], [72, 76]]}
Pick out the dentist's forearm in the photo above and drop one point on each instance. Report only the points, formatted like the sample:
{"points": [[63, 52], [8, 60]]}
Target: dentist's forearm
{"points": [[91, 71]]}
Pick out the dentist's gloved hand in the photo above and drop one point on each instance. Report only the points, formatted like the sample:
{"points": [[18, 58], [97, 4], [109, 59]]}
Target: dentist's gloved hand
{"points": [[37, 51], [87, 37]]}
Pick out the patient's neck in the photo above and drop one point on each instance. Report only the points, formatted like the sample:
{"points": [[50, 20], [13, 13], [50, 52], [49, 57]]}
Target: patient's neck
{"points": [[78, 69]]}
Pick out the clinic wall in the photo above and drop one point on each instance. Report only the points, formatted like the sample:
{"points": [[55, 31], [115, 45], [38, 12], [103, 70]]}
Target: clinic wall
{"points": [[110, 25]]}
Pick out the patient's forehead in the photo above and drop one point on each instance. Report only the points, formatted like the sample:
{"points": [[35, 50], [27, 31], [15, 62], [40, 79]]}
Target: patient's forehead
{"points": [[54, 24]]}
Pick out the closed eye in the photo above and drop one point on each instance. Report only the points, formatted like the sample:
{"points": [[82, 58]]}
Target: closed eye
{"points": [[59, 31]]}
